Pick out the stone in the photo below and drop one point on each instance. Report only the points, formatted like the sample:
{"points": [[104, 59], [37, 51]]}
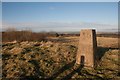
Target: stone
{"points": [[87, 48]]}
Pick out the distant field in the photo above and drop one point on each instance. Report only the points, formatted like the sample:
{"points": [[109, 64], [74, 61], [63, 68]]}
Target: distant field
{"points": [[109, 42]]}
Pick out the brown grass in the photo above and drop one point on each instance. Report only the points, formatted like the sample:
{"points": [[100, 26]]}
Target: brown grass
{"points": [[55, 60]]}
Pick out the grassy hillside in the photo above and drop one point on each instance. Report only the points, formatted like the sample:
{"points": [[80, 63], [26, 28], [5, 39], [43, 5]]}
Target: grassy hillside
{"points": [[55, 59]]}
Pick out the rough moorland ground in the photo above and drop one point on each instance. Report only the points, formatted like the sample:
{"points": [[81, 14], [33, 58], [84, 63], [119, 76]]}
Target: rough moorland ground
{"points": [[55, 59]]}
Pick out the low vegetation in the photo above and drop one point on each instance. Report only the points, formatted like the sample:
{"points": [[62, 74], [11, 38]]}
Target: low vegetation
{"points": [[55, 60], [27, 35], [22, 36]]}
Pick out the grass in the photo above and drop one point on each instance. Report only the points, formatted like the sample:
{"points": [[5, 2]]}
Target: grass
{"points": [[55, 60]]}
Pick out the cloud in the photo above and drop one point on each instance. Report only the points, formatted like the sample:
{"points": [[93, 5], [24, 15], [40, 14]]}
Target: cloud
{"points": [[59, 26]]}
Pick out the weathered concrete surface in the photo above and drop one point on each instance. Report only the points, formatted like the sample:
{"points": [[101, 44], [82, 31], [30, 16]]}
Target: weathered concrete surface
{"points": [[87, 47]]}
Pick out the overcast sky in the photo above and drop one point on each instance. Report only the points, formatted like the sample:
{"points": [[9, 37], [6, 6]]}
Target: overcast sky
{"points": [[60, 16]]}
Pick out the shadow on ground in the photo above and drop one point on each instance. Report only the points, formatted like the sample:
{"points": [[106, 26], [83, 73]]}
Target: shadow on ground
{"points": [[69, 76], [38, 73], [100, 53], [67, 66], [64, 68]]}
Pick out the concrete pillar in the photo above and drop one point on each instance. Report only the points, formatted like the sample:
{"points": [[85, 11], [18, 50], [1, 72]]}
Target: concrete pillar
{"points": [[87, 48]]}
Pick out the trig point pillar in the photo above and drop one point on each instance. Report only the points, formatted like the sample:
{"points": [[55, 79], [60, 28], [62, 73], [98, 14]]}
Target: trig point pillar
{"points": [[86, 48]]}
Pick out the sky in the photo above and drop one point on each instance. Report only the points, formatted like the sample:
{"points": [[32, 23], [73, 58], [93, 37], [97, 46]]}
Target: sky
{"points": [[60, 16], [60, 0]]}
